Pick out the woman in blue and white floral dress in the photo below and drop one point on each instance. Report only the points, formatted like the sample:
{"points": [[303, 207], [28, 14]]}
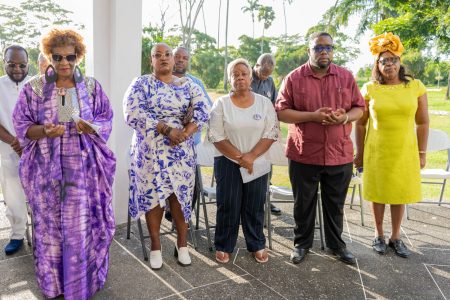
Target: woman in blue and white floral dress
{"points": [[162, 154]]}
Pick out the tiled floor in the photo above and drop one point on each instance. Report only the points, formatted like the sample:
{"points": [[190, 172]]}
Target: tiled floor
{"points": [[425, 275]]}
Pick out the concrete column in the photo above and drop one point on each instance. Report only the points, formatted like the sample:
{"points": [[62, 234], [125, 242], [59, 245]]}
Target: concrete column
{"points": [[114, 59]]}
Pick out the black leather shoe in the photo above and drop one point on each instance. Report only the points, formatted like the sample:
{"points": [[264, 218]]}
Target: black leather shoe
{"points": [[298, 255], [344, 255], [399, 248], [275, 210], [379, 245]]}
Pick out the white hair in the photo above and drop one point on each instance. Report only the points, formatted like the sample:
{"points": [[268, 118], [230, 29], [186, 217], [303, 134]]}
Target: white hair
{"points": [[234, 63]]}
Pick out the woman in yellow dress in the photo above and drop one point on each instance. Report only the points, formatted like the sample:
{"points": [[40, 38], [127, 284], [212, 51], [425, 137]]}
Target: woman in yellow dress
{"points": [[391, 139]]}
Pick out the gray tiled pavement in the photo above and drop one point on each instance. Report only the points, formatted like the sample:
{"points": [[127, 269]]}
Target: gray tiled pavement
{"points": [[425, 275]]}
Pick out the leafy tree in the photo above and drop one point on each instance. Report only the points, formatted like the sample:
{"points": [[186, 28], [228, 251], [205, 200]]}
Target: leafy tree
{"points": [[252, 7], [249, 48], [414, 63], [422, 25], [343, 51], [24, 23], [289, 59], [207, 64], [267, 15]]}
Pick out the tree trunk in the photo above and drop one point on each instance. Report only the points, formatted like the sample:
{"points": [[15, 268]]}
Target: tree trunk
{"points": [[285, 26], [447, 95], [253, 25], [262, 41], [218, 25], [225, 77]]}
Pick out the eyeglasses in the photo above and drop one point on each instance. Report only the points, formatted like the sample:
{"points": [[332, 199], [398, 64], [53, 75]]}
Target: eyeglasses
{"points": [[160, 55], [13, 65], [386, 60], [69, 58], [327, 48]]}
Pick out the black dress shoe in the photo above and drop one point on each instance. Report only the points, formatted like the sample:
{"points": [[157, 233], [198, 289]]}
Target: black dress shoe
{"points": [[345, 255], [298, 255], [379, 245], [399, 248], [275, 210]]}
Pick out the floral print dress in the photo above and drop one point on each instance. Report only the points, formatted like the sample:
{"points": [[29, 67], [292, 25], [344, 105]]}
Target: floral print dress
{"points": [[157, 169]]}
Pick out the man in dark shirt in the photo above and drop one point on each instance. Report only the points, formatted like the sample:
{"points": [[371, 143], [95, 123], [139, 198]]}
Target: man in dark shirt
{"points": [[319, 100], [262, 83]]}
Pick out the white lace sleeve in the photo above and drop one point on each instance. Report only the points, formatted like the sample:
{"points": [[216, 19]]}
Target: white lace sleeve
{"points": [[272, 126]]}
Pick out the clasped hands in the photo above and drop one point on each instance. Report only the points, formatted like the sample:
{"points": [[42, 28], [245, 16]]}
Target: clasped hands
{"points": [[326, 116], [177, 136], [55, 130], [245, 160]]}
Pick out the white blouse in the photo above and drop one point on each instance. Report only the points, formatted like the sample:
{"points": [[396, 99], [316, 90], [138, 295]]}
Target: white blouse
{"points": [[243, 127]]}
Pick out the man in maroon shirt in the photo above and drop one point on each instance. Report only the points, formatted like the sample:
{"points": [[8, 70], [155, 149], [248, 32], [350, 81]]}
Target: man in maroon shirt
{"points": [[319, 100]]}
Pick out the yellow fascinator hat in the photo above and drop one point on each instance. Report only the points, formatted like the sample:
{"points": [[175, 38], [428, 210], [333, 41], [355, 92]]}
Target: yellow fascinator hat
{"points": [[386, 42]]}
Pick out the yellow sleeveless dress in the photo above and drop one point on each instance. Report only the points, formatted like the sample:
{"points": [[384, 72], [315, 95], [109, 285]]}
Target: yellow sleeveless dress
{"points": [[391, 156]]}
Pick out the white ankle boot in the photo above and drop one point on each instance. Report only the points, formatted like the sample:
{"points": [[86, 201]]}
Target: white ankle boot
{"points": [[156, 260], [182, 254]]}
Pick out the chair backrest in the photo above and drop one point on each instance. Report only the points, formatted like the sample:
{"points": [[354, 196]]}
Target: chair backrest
{"points": [[437, 140], [205, 154]]}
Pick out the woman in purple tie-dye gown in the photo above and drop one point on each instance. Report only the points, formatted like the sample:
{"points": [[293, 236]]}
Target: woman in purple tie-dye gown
{"points": [[67, 171]]}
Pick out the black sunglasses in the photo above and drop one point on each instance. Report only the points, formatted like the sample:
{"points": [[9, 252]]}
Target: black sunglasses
{"points": [[320, 48], [69, 58], [13, 65]]}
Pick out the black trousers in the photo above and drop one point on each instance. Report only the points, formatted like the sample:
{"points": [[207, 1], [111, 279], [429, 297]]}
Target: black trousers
{"points": [[238, 201], [334, 181]]}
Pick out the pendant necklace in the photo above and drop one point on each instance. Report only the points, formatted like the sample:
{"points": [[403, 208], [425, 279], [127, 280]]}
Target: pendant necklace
{"points": [[62, 93]]}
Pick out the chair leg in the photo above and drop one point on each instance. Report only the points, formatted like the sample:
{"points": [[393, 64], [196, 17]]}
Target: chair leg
{"points": [[205, 213], [407, 211], [128, 226], [269, 223], [27, 233], [192, 234], [361, 204], [353, 196], [442, 191], [141, 237]]}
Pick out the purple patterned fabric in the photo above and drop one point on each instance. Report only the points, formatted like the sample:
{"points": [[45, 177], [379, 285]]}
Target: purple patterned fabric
{"points": [[68, 184]]}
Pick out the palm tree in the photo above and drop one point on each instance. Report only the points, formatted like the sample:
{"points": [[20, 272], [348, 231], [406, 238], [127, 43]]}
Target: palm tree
{"points": [[285, 21], [371, 12], [225, 78], [252, 7], [267, 15]]}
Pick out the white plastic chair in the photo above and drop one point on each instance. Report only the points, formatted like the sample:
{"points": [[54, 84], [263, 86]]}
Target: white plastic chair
{"points": [[438, 140], [279, 194]]}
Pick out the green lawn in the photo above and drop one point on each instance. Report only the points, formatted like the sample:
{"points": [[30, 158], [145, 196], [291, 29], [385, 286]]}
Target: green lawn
{"points": [[434, 160]]}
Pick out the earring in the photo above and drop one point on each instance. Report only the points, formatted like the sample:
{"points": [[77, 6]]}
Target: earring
{"points": [[50, 78], [77, 75]]}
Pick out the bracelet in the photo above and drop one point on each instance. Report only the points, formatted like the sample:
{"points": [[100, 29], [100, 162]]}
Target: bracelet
{"points": [[422, 152], [346, 119]]}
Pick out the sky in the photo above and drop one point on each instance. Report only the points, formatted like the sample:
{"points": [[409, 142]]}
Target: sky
{"points": [[301, 15]]}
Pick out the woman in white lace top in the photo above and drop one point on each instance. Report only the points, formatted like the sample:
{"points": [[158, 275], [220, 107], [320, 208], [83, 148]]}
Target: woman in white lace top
{"points": [[243, 126]]}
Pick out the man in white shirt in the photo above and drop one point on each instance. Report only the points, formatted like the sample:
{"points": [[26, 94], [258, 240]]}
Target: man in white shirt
{"points": [[16, 69]]}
